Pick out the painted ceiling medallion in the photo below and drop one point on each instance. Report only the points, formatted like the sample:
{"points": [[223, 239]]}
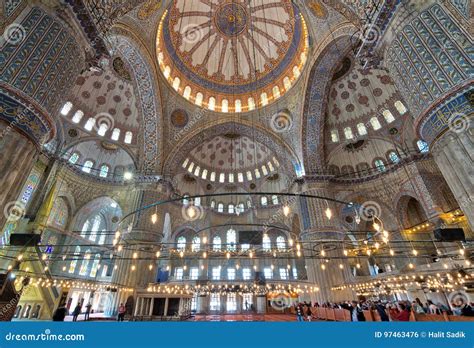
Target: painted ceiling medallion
{"points": [[232, 56]]}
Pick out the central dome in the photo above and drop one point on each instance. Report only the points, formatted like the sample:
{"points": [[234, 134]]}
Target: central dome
{"points": [[232, 56]]}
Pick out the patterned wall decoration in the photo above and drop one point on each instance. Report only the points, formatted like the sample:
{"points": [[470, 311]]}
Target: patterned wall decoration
{"points": [[41, 64], [430, 57], [439, 119], [317, 90], [149, 103], [317, 9], [148, 8], [463, 6]]}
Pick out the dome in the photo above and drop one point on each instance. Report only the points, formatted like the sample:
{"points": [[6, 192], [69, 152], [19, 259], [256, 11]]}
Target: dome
{"points": [[232, 56], [231, 158]]}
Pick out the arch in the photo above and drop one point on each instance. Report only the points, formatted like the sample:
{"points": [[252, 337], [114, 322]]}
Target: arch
{"points": [[410, 211]]}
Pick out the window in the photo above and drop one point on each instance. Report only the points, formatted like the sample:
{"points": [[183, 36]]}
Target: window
{"points": [[361, 129], [95, 228], [102, 237], [231, 177], [197, 201], [348, 133], [104, 171], [264, 99], [104, 271], [85, 228], [78, 115], [197, 170], [95, 266], [191, 167], [257, 173], [220, 207], [281, 244], [128, 137], [287, 83], [73, 264], [283, 274], [276, 92], [212, 104], [196, 245], [225, 105], [194, 273], [204, 174], [240, 208], [247, 300], [216, 243], [388, 116], [238, 106], [231, 302], [231, 239], [374, 121], [103, 128], [231, 209], [199, 98], [275, 199], [249, 175], [89, 124], [213, 204], [393, 157], [187, 92], [66, 109], [231, 273], [264, 170], [334, 136], [379, 165], [270, 166], [240, 177], [266, 242], [213, 177], [74, 158], [176, 83], [295, 273], [116, 134], [181, 243], [194, 303], [222, 178], [400, 107], [86, 168], [246, 273], [251, 104], [263, 200], [178, 273], [85, 263], [245, 247], [215, 302], [423, 146], [216, 273], [268, 273], [185, 199]]}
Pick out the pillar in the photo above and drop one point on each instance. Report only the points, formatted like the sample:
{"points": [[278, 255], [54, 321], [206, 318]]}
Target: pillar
{"points": [[202, 304], [261, 304]]}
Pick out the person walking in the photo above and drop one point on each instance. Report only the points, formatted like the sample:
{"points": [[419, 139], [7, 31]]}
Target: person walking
{"points": [[88, 311], [121, 312], [299, 312], [60, 313]]}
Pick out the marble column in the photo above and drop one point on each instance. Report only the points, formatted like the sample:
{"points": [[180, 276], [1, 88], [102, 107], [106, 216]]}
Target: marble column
{"points": [[454, 154]]}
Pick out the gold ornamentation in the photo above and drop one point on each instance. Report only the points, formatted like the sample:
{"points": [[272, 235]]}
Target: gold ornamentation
{"points": [[148, 8]]}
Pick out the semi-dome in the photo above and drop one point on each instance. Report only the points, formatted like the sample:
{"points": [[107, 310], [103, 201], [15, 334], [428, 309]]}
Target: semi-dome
{"points": [[232, 56]]}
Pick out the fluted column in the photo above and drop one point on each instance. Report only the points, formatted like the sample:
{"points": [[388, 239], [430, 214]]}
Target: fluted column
{"points": [[454, 155]]}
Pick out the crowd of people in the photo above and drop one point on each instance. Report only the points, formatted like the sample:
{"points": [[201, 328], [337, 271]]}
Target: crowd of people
{"points": [[387, 310]]}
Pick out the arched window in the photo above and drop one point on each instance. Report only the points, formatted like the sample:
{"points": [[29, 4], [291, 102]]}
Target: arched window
{"points": [[400, 107], [240, 177], [176, 83], [102, 237], [296, 72], [185, 199], [238, 106], [275, 199], [225, 105], [78, 115], [287, 83], [222, 177], [231, 239], [281, 243], [257, 173], [348, 133], [187, 92], [231, 177], [212, 104], [95, 228], [423, 146], [266, 242], [128, 137], [264, 170], [116, 134], [66, 109], [241, 208], [264, 99], [181, 243], [199, 99], [196, 244], [263, 200], [213, 176], [249, 175], [204, 174], [379, 165], [374, 121], [213, 204], [394, 157], [85, 228], [74, 158], [276, 92], [231, 209], [197, 201], [334, 136], [251, 104], [86, 168], [220, 207], [73, 264], [361, 129], [89, 124], [388, 116], [103, 128], [95, 266], [167, 71], [197, 171], [104, 171], [85, 263], [216, 243]]}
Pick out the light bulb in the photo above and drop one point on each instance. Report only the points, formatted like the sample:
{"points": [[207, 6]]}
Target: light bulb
{"points": [[376, 226], [154, 218], [461, 251], [290, 242], [358, 265], [204, 240], [323, 267], [329, 213], [377, 245], [385, 233], [392, 252], [228, 255], [150, 267], [323, 253], [20, 257], [191, 212], [204, 254], [135, 255], [298, 253], [286, 210], [345, 252], [128, 176], [133, 267], [341, 266], [158, 254], [250, 254], [181, 254], [414, 252], [411, 265]]}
